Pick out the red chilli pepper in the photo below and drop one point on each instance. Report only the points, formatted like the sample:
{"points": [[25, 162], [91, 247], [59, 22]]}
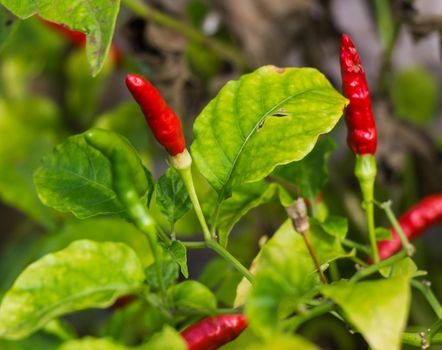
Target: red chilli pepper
{"points": [[414, 222], [162, 120], [213, 332], [361, 137]]}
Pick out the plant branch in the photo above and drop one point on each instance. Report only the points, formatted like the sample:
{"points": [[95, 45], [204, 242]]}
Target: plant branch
{"points": [[221, 49], [195, 245], [212, 244], [426, 291], [376, 267], [351, 244], [291, 324], [386, 206]]}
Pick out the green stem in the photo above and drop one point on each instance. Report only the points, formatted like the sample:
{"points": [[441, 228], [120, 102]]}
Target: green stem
{"points": [[186, 174], [230, 258], [379, 265], [386, 206], [365, 171], [293, 323], [369, 214], [419, 340], [221, 49], [195, 245], [351, 244], [429, 295], [435, 328]]}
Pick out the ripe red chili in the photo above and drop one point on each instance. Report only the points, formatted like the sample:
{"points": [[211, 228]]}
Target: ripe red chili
{"points": [[414, 222], [162, 120], [361, 137], [213, 332]]}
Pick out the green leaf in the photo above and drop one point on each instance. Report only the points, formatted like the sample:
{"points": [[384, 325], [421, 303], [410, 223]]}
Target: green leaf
{"points": [[193, 296], [26, 137], [244, 198], [383, 234], [284, 342], [310, 174], [96, 20], [377, 309], [171, 196], [269, 117], [79, 277], [90, 343], [415, 94], [169, 273], [77, 178], [178, 252], [336, 226], [285, 276]]}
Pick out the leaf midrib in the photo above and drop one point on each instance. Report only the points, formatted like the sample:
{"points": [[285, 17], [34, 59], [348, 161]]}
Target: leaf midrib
{"points": [[249, 135]]}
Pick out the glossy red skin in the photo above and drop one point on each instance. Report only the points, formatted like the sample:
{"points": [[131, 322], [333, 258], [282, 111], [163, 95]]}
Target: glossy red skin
{"points": [[162, 120], [78, 38], [361, 138], [414, 222], [213, 332]]}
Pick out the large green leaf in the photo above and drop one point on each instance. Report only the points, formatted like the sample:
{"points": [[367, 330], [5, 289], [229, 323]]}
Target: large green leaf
{"points": [[378, 309], [270, 117], [26, 137], [81, 276], [285, 276], [77, 178], [96, 20]]}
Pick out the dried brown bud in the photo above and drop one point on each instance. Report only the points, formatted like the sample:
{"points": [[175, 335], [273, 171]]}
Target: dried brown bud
{"points": [[298, 213]]}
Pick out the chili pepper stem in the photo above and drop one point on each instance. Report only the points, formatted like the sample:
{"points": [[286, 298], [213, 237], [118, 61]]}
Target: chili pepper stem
{"points": [[183, 163], [365, 171], [386, 206]]}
